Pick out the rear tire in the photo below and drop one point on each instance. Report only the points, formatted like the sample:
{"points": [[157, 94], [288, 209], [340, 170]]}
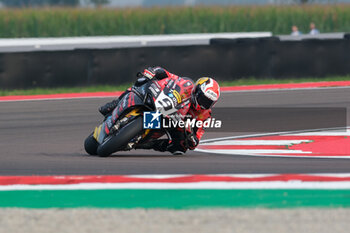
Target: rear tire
{"points": [[121, 139], [91, 145]]}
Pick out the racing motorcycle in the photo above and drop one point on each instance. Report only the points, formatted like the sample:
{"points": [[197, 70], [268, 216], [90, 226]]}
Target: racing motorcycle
{"points": [[124, 129]]}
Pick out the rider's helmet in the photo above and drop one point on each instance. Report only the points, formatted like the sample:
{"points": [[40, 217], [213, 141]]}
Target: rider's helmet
{"points": [[205, 93]]}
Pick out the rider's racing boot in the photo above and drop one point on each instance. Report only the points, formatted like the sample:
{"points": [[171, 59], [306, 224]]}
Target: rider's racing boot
{"points": [[176, 148], [157, 145], [178, 152], [109, 107], [163, 145]]}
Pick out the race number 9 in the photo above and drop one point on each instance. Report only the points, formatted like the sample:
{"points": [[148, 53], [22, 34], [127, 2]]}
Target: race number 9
{"points": [[166, 104]]}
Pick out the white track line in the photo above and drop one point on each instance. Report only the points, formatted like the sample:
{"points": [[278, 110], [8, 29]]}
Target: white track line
{"points": [[277, 156], [339, 131], [273, 134], [259, 151], [256, 142], [196, 185], [344, 133]]}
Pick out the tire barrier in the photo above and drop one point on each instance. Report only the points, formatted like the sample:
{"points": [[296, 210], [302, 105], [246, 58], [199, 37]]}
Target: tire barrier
{"points": [[224, 59]]}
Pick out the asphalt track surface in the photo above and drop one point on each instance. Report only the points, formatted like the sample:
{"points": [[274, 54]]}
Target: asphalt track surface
{"points": [[46, 138]]}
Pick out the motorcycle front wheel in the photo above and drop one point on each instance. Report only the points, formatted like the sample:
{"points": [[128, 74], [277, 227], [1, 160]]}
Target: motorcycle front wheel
{"points": [[91, 145], [117, 142]]}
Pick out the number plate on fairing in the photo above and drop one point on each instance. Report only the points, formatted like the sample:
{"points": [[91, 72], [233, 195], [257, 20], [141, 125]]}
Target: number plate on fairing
{"points": [[165, 104]]}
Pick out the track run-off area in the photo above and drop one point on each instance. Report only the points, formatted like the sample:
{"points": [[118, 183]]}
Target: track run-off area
{"points": [[42, 138]]}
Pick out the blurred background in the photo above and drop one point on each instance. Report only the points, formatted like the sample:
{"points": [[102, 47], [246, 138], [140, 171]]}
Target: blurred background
{"points": [[151, 3], [64, 43], [55, 18]]}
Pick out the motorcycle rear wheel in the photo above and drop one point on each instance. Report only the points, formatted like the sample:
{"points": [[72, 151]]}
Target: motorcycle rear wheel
{"points": [[121, 139]]}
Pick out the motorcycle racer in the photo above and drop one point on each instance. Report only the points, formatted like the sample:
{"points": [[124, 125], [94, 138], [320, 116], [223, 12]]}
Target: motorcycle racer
{"points": [[202, 97]]}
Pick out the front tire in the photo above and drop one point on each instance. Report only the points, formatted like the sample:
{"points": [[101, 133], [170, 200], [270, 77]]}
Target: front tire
{"points": [[91, 145], [121, 139]]}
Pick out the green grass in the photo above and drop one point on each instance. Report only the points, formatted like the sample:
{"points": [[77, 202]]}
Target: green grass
{"points": [[45, 91], [109, 88], [61, 22]]}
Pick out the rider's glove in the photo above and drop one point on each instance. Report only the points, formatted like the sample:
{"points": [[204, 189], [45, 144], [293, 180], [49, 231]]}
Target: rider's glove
{"points": [[192, 141], [149, 73]]}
